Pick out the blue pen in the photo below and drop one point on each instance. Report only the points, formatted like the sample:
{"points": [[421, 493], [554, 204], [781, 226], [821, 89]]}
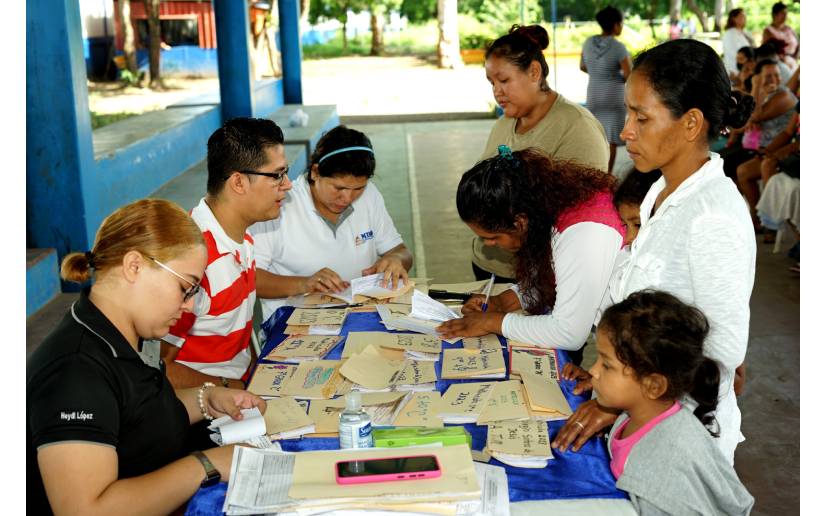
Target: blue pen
{"points": [[487, 293]]}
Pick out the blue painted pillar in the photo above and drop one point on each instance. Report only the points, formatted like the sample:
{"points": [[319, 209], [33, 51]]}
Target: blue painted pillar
{"points": [[234, 66], [289, 13], [60, 162]]}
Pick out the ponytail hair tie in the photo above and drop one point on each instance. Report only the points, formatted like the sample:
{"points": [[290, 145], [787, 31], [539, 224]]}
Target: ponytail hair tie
{"points": [[90, 259], [505, 152]]}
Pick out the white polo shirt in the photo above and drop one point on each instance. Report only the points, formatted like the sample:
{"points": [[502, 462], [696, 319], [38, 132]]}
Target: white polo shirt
{"points": [[301, 242]]}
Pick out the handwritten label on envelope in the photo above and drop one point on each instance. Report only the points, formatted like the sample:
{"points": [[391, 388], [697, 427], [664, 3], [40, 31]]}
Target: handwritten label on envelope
{"points": [[268, 379], [313, 316]]}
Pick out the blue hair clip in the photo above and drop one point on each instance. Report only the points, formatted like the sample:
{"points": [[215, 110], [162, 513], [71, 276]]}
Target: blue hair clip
{"points": [[345, 149], [505, 152]]}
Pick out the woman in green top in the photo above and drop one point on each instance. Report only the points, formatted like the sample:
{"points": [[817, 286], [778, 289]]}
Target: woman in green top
{"points": [[534, 116]]}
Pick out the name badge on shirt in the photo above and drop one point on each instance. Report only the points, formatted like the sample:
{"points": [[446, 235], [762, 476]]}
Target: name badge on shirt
{"points": [[363, 237]]}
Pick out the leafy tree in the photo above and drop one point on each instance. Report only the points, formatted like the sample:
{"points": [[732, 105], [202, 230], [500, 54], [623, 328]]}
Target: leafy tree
{"points": [[334, 10], [378, 12], [124, 14], [419, 11]]}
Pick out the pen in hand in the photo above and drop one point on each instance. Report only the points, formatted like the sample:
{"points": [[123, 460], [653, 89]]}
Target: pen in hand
{"points": [[487, 293]]}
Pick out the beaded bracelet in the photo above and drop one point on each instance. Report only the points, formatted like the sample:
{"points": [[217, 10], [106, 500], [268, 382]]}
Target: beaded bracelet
{"points": [[201, 404]]}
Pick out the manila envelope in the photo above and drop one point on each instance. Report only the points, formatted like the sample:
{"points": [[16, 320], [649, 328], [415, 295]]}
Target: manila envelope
{"points": [[312, 316], [358, 341], [545, 395], [504, 403], [371, 370], [519, 438], [421, 410], [489, 341], [268, 379], [283, 415], [303, 346], [318, 379]]}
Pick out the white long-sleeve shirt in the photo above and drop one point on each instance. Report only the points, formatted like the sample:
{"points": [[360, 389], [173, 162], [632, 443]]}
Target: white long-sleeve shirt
{"points": [[700, 247], [583, 257], [732, 40]]}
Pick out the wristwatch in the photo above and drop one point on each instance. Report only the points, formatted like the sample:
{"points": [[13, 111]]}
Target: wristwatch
{"points": [[212, 474]]}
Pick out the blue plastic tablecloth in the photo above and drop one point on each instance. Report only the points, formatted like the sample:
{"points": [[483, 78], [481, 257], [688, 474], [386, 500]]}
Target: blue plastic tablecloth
{"points": [[582, 474]]}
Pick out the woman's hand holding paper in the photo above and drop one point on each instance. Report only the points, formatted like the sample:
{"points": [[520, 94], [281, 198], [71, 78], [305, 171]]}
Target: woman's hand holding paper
{"points": [[392, 267], [473, 324], [221, 401]]}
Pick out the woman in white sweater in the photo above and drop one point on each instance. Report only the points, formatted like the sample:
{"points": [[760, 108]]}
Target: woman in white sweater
{"points": [[734, 38], [696, 240], [559, 220]]}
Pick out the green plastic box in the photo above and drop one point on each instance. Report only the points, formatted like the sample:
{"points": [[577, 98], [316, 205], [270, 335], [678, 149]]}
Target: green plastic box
{"points": [[397, 437]]}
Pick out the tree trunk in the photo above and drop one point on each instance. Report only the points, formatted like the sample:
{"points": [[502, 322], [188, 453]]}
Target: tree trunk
{"points": [[344, 35], [719, 15], [304, 11], [153, 18], [695, 9], [125, 14], [675, 10], [654, 5], [377, 29], [449, 54]]}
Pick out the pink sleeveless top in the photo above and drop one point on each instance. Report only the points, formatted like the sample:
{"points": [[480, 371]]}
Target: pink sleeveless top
{"points": [[598, 208]]}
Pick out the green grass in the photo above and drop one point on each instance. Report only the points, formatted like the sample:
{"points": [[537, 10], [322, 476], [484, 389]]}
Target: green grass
{"points": [[414, 40], [103, 119]]}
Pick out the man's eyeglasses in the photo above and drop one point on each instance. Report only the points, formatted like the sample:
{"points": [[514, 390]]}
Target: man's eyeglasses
{"points": [[188, 293], [279, 176]]}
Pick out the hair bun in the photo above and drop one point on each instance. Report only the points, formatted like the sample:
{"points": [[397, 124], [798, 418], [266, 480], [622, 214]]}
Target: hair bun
{"points": [[740, 108], [535, 33]]}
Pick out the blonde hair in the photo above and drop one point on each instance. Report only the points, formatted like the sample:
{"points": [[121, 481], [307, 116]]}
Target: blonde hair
{"points": [[153, 227]]}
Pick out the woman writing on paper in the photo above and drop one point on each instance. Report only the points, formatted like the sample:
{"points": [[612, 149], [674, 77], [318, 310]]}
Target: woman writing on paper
{"points": [[333, 227], [559, 220], [106, 433]]}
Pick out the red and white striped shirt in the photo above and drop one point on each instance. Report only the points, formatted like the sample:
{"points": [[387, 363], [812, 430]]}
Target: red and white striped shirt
{"points": [[214, 338]]}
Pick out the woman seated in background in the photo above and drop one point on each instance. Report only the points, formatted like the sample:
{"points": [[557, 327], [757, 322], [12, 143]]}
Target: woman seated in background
{"points": [[774, 108], [333, 227], [106, 433], [559, 220], [734, 38]]}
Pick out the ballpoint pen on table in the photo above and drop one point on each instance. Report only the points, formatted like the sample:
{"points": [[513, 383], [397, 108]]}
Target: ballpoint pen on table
{"points": [[487, 293]]}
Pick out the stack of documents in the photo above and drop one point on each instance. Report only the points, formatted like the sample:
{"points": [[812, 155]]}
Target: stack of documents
{"points": [[268, 379], [412, 345], [483, 403], [300, 348], [522, 444], [544, 398], [366, 287], [383, 408], [315, 321], [372, 371], [472, 363], [265, 481], [284, 419]]}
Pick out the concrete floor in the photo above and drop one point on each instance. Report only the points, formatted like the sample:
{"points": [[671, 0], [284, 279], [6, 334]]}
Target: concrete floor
{"points": [[419, 166]]}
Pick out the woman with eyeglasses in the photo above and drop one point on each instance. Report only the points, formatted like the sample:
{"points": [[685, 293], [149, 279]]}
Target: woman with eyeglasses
{"points": [[333, 227], [106, 432]]}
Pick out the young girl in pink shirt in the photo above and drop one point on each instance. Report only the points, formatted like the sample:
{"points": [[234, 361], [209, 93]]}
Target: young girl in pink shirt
{"points": [[649, 358]]}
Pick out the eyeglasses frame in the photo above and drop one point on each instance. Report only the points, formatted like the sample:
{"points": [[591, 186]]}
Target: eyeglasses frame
{"points": [[188, 293]]}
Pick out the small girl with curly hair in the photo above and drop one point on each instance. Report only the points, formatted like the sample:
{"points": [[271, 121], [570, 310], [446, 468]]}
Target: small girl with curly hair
{"points": [[559, 220], [649, 358]]}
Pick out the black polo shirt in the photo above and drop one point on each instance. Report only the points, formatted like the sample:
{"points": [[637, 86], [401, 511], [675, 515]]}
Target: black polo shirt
{"points": [[86, 383]]}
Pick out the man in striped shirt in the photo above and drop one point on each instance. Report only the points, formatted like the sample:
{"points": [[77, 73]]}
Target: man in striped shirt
{"points": [[247, 183]]}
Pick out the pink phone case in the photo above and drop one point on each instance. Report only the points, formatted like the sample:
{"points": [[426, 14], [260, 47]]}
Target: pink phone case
{"points": [[365, 479]]}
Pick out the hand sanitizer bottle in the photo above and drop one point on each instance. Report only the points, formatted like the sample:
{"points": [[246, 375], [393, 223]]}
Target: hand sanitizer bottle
{"points": [[354, 427]]}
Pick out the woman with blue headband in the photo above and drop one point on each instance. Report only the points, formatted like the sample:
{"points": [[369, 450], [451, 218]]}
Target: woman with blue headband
{"points": [[333, 227]]}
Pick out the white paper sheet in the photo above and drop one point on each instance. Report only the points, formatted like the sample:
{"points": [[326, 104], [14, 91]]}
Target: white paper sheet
{"points": [[427, 308], [252, 425], [369, 286]]}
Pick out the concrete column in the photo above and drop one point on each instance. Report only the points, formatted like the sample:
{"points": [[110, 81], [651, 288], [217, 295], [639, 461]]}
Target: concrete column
{"points": [[289, 13], [60, 164], [234, 66]]}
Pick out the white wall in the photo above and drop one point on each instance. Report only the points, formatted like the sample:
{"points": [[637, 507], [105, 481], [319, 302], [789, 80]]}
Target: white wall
{"points": [[97, 18]]}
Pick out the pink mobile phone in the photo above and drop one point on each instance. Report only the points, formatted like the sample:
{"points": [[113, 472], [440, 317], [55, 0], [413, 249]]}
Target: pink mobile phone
{"points": [[387, 469]]}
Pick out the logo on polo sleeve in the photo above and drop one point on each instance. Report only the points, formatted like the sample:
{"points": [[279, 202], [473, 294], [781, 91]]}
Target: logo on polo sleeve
{"points": [[363, 237]]}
